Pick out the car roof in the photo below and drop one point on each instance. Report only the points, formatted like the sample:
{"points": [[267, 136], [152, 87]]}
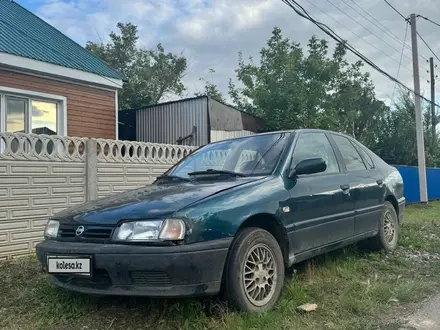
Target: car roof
{"points": [[306, 130], [301, 130]]}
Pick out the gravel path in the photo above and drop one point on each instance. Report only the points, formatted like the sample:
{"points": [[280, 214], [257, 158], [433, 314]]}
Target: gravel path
{"points": [[426, 318]]}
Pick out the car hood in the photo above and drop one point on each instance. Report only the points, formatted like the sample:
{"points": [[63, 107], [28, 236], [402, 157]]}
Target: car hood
{"points": [[152, 201]]}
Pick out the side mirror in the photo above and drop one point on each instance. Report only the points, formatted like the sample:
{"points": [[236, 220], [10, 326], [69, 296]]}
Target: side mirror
{"points": [[309, 166]]}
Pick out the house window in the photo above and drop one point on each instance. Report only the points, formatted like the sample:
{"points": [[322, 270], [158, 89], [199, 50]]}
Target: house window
{"points": [[16, 110], [32, 113], [44, 117]]}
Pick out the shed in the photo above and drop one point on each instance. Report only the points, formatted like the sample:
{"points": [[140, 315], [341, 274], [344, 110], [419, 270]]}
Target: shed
{"points": [[192, 121]]}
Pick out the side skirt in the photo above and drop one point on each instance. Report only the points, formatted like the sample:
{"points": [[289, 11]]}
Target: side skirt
{"points": [[293, 259]]}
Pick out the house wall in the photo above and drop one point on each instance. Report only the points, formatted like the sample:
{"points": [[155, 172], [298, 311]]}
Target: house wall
{"points": [[90, 110], [42, 175]]}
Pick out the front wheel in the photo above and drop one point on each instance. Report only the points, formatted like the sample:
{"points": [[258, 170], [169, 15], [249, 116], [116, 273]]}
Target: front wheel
{"points": [[388, 234], [255, 271]]}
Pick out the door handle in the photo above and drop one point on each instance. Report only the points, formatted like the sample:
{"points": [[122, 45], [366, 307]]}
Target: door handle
{"points": [[379, 182], [345, 189]]}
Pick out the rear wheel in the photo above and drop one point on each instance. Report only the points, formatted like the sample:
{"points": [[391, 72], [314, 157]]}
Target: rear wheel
{"points": [[388, 234], [255, 271]]}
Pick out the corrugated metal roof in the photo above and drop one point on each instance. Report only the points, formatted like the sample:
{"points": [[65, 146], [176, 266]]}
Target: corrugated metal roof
{"points": [[24, 34]]}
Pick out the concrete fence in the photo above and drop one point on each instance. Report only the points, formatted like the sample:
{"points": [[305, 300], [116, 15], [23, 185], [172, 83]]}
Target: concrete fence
{"points": [[41, 175]]}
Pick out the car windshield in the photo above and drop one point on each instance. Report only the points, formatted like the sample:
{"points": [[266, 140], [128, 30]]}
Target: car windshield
{"points": [[253, 155]]}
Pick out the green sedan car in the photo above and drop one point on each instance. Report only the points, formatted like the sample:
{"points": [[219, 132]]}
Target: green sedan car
{"points": [[231, 216]]}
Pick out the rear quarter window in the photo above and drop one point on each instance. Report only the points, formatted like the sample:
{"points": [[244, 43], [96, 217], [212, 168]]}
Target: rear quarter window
{"points": [[365, 155], [352, 159]]}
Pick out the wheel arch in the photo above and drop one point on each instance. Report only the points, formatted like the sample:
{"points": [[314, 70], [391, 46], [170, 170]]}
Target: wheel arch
{"points": [[274, 226], [390, 198]]}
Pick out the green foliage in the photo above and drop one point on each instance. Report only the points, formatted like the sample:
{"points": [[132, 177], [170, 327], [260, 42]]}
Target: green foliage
{"points": [[211, 90], [396, 141], [151, 74], [290, 88]]}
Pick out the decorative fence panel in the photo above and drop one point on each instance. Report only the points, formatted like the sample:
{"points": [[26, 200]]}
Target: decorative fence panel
{"points": [[41, 175]]}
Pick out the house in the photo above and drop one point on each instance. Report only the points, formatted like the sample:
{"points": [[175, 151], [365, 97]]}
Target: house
{"points": [[51, 84], [191, 121]]}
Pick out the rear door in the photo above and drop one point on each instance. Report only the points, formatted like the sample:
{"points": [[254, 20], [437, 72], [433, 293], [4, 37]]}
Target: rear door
{"points": [[321, 209], [366, 184]]}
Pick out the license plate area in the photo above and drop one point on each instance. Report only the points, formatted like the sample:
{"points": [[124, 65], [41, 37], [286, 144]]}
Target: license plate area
{"points": [[70, 265]]}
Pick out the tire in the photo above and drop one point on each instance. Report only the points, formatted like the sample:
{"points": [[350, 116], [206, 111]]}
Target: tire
{"points": [[249, 266], [388, 222]]}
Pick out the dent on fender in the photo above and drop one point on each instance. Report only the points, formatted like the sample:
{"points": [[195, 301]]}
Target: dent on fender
{"points": [[394, 182]]}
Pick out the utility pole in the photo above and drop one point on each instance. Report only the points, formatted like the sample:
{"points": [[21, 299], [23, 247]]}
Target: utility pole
{"points": [[433, 117], [418, 109]]}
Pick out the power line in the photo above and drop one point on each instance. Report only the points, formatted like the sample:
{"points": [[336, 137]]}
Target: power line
{"points": [[386, 30], [376, 25], [390, 33], [426, 18], [401, 56], [383, 30], [397, 50], [407, 19], [395, 10], [428, 46], [303, 13], [366, 41]]}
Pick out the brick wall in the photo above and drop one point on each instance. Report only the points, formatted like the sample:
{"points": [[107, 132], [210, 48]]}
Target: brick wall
{"points": [[37, 182], [90, 110]]}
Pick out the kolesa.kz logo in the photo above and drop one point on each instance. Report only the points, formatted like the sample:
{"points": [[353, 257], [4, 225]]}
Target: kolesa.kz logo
{"points": [[69, 265]]}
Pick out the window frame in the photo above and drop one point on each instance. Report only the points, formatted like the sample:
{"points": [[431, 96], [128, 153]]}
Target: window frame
{"points": [[332, 145], [341, 157], [364, 150], [60, 101]]}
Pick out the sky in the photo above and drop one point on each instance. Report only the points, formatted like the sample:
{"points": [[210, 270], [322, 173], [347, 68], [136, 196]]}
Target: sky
{"points": [[210, 33]]}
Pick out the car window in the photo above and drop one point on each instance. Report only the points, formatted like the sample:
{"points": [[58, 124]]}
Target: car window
{"points": [[353, 161], [315, 145], [252, 155], [365, 156]]}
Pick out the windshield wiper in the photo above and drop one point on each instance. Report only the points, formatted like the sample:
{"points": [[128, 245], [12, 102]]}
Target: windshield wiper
{"points": [[171, 177], [210, 171]]}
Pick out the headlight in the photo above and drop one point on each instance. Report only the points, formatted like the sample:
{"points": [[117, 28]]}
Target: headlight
{"points": [[51, 230], [148, 230]]}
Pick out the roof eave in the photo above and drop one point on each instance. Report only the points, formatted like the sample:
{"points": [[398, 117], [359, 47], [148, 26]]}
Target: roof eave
{"points": [[31, 65]]}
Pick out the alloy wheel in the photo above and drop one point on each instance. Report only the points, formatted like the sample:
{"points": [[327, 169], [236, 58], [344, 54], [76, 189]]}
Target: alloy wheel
{"points": [[260, 275], [389, 227]]}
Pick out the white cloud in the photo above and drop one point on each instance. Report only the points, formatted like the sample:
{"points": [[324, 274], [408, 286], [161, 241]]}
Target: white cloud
{"points": [[211, 32]]}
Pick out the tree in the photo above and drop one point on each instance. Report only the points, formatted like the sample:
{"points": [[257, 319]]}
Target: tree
{"points": [[291, 88], [151, 74], [396, 142], [211, 90]]}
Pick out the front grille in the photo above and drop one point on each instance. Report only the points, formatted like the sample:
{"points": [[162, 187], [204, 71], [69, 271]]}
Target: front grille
{"points": [[150, 278], [91, 233]]}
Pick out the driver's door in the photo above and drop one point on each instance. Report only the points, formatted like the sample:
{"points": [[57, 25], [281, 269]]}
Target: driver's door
{"points": [[321, 208]]}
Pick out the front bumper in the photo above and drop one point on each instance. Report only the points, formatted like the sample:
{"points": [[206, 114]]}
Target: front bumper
{"points": [[133, 270]]}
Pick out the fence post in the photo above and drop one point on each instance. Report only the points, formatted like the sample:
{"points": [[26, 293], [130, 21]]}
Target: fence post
{"points": [[91, 173]]}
